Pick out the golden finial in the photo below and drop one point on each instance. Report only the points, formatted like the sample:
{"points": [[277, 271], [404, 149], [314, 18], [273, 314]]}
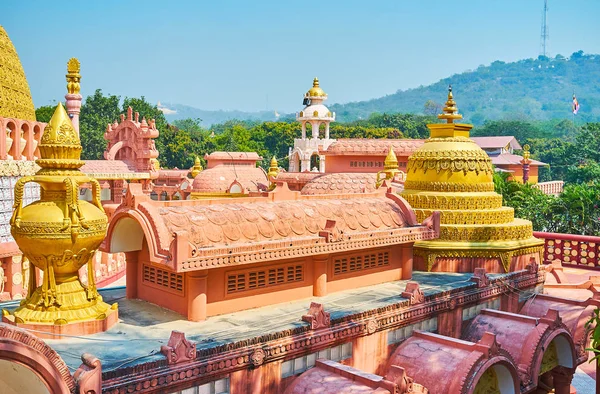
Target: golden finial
{"points": [[316, 90], [391, 161], [526, 154], [197, 168], [273, 170], [450, 112], [60, 146], [73, 76], [390, 167]]}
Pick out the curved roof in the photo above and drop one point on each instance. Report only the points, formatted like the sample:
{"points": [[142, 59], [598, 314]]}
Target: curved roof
{"points": [[233, 156], [228, 224], [341, 183], [218, 179], [372, 146], [15, 96], [464, 359], [321, 110]]}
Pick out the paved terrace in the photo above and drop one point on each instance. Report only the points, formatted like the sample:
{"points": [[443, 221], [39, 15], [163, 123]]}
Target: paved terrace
{"points": [[144, 327]]}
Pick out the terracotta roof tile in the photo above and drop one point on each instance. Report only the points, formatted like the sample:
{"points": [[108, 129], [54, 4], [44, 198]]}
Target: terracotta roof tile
{"points": [[218, 179], [496, 142], [106, 167], [508, 158], [233, 156], [341, 183], [373, 146], [241, 223]]}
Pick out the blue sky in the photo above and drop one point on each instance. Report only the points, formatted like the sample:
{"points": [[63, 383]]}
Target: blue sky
{"points": [[254, 55]]}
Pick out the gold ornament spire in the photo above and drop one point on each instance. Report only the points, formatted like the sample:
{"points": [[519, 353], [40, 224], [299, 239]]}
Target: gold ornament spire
{"points": [[73, 76], [316, 90], [526, 153], [197, 168], [60, 147], [390, 167], [273, 170], [450, 112], [15, 97]]}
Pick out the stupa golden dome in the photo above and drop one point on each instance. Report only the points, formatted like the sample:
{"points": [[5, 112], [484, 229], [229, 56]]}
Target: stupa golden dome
{"points": [[316, 90], [450, 173], [15, 97]]}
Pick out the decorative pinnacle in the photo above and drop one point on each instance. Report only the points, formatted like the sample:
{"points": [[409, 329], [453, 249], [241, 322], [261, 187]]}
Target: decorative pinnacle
{"points": [[391, 161], [316, 90], [526, 154], [73, 76], [60, 146], [197, 168], [450, 112], [273, 162]]}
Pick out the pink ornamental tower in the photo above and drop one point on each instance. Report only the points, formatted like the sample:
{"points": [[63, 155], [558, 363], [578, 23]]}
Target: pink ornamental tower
{"points": [[73, 97]]}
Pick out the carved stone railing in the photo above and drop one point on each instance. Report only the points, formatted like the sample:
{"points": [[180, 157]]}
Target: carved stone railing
{"points": [[19, 138], [571, 250], [552, 187]]}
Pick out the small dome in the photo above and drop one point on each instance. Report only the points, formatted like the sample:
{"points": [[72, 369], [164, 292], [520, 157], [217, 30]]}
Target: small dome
{"points": [[220, 178], [15, 97], [316, 90], [316, 111]]}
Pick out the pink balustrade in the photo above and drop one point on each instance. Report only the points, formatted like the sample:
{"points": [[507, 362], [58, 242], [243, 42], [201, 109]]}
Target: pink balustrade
{"points": [[19, 138], [552, 187], [571, 250]]}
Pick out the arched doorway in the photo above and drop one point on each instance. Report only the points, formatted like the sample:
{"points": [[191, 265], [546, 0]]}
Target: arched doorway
{"points": [[315, 162]]}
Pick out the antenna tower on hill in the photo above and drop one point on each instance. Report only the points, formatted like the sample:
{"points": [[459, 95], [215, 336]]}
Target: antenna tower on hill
{"points": [[544, 36]]}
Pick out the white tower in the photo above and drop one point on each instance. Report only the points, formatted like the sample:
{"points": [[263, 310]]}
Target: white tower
{"points": [[315, 118]]}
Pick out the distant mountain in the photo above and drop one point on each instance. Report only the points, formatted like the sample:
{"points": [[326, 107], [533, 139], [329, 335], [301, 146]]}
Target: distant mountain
{"points": [[177, 111], [538, 89]]}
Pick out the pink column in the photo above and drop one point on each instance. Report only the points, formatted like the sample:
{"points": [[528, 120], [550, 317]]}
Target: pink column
{"points": [[320, 275], [197, 286], [73, 109], [131, 276]]}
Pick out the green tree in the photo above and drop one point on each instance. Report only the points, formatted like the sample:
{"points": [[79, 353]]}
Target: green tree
{"points": [[44, 113], [96, 113]]}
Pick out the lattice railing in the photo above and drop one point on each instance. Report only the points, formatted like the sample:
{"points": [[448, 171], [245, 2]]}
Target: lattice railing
{"points": [[570, 249]]}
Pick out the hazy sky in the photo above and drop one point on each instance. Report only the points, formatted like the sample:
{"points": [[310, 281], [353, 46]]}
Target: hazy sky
{"points": [[254, 55]]}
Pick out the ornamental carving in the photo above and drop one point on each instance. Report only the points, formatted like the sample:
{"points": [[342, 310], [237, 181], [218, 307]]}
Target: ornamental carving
{"points": [[89, 375], [504, 256], [258, 357], [450, 160], [18, 167], [178, 349], [448, 187], [454, 202], [371, 326], [317, 317], [15, 99], [480, 278], [496, 216], [510, 231], [414, 293]]}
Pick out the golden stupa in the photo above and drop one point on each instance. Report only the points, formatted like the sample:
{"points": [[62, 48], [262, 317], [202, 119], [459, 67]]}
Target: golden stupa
{"points": [[59, 234], [450, 173], [15, 97]]}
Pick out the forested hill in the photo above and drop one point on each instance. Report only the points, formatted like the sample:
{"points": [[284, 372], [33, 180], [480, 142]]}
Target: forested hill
{"points": [[538, 89]]}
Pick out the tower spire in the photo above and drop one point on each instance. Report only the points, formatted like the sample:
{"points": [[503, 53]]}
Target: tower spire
{"points": [[544, 36], [450, 112]]}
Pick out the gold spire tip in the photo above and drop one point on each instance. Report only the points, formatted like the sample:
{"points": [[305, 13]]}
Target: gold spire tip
{"points": [[450, 111]]}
